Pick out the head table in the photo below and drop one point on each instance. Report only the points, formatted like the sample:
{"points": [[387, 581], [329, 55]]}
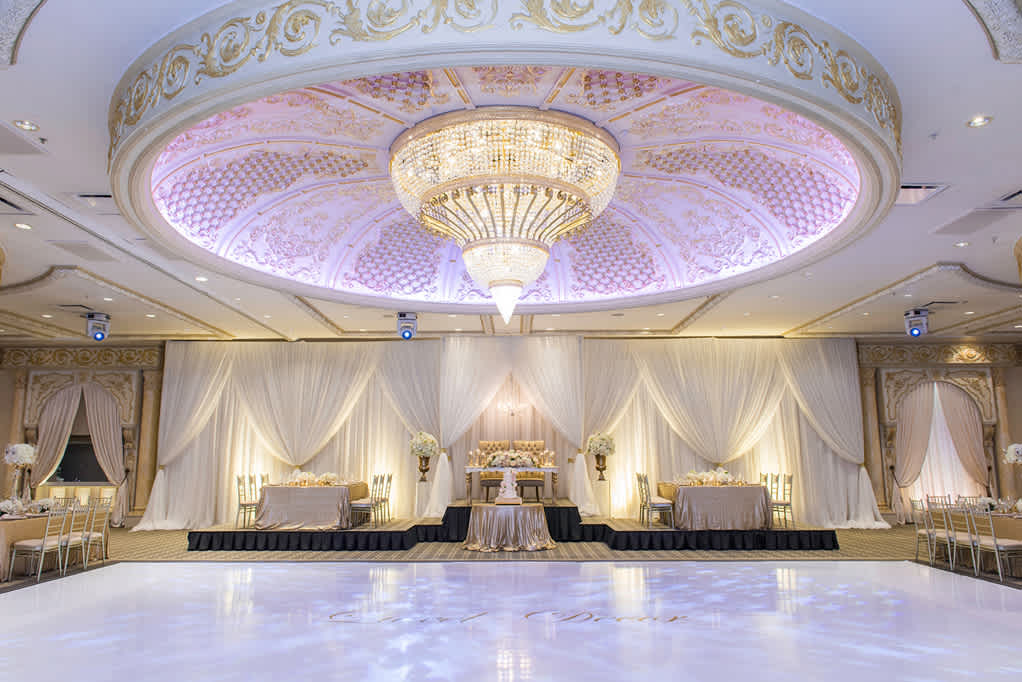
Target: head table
{"points": [[725, 507], [286, 507], [469, 470]]}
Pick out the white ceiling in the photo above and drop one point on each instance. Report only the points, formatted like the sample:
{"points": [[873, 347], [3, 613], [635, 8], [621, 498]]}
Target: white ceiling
{"points": [[73, 54]]}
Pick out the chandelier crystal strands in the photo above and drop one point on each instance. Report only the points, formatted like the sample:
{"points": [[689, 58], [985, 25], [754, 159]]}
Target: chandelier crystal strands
{"points": [[505, 183]]}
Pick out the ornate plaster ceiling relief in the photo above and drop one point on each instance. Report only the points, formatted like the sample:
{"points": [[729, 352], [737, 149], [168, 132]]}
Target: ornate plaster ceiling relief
{"points": [[718, 187]]}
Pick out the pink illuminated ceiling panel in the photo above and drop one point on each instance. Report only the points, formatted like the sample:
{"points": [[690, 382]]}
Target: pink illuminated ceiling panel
{"points": [[714, 184]]}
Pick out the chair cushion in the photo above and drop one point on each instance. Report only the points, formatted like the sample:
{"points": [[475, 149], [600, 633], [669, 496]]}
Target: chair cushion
{"points": [[364, 500], [36, 545], [656, 499], [1002, 543]]}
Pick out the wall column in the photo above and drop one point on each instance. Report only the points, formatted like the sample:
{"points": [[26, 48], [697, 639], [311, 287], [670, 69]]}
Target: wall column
{"points": [[873, 459], [17, 432], [1003, 474], [147, 437]]}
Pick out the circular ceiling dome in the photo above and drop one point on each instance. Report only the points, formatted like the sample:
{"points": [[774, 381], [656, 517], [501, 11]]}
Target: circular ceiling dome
{"points": [[713, 184]]}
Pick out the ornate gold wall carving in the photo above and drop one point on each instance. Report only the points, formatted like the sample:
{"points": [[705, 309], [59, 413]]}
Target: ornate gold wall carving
{"points": [[897, 383], [43, 384], [64, 357], [914, 355]]}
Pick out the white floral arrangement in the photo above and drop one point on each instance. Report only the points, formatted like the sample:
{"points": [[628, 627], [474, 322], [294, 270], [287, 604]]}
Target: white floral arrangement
{"points": [[719, 476], [600, 444], [512, 459], [40, 506], [327, 479], [13, 506], [1018, 506], [19, 455], [301, 478], [424, 445], [1013, 454]]}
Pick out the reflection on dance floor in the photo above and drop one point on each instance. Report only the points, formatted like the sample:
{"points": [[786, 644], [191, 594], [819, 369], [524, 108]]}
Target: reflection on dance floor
{"points": [[512, 621]]}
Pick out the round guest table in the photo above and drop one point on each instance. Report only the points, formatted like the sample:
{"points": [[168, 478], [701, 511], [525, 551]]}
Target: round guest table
{"points": [[508, 528]]}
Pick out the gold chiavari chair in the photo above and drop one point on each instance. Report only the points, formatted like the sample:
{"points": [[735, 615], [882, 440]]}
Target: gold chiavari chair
{"points": [[368, 505], [50, 543], [780, 486], [246, 505], [650, 504]]}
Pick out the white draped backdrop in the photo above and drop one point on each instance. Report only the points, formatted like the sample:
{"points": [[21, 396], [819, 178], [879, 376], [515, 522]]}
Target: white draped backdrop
{"points": [[788, 406]]}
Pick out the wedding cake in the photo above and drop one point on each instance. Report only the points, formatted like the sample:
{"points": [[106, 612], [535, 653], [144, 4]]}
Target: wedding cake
{"points": [[508, 493]]}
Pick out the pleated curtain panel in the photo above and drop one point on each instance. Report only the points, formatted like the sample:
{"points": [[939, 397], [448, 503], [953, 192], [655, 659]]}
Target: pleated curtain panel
{"points": [[756, 405]]}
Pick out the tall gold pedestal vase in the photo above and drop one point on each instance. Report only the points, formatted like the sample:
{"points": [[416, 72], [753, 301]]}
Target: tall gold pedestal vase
{"points": [[601, 465], [423, 467]]}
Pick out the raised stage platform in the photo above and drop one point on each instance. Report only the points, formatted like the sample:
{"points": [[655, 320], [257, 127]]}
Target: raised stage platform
{"points": [[566, 525]]}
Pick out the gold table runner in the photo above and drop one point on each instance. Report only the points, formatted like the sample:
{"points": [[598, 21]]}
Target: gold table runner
{"points": [[283, 507], [508, 528]]}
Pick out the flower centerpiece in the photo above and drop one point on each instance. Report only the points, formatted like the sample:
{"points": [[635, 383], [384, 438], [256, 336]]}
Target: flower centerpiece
{"points": [[600, 445], [510, 459], [424, 445], [40, 506], [719, 476], [986, 503], [19, 456], [12, 506], [328, 478], [1013, 454]]}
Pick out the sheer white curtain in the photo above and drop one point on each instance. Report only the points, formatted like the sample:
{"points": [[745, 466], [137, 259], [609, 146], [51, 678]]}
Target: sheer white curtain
{"points": [[374, 440], [915, 421], [104, 419], [472, 371], [55, 422], [410, 374], [943, 470], [195, 375], [299, 394], [965, 428], [718, 395]]}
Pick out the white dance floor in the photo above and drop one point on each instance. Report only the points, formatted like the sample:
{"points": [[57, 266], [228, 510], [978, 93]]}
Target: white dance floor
{"points": [[512, 621]]}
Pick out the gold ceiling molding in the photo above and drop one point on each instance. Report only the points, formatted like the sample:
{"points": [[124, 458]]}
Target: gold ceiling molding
{"points": [[740, 32], [898, 383], [32, 327], [932, 354], [83, 357], [314, 30]]}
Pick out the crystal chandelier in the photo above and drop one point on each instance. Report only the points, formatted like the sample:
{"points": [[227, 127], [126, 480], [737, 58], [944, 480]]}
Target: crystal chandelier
{"points": [[505, 183]]}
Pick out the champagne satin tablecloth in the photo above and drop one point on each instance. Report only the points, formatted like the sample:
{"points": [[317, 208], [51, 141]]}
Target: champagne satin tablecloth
{"points": [[726, 507], [13, 530], [508, 528], [283, 507]]}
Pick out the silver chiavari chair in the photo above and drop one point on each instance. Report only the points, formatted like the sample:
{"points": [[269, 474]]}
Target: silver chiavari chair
{"points": [[81, 516], [936, 507], [368, 505], [960, 523], [650, 504], [96, 535], [1003, 549], [50, 543], [385, 498], [927, 532]]}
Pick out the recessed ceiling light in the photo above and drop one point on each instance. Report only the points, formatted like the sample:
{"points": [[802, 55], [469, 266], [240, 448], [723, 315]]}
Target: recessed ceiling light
{"points": [[865, 314], [362, 330], [617, 314], [775, 296], [266, 317], [746, 314], [47, 315], [660, 314], [28, 126], [107, 299], [457, 329], [979, 121], [237, 298], [550, 329], [201, 278], [23, 226], [451, 315], [556, 315], [645, 329], [907, 295], [1018, 326], [345, 316], [150, 315], [961, 245], [970, 312]]}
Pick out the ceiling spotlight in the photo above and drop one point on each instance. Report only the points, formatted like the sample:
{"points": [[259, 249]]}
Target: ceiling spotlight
{"points": [[452, 315], [775, 296], [961, 245], [266, 317], [1018, 326], [917, 321], [550, 329], [907, 295], [107, 299], [970, 312], [457, 329], [97, 325], [979, 121], [47, 315], [865, 314], [27, 126], [201, 278], [407, 325], [746, 314], [660, 314], [150, 315], [23, 226]]}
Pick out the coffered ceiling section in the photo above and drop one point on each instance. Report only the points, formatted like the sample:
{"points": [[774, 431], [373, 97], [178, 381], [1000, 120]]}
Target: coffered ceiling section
{"points": [[295, 186]]}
